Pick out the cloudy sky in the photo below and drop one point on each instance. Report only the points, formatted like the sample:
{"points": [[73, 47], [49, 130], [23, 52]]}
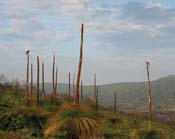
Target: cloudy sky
{"points": [[120, 35]]}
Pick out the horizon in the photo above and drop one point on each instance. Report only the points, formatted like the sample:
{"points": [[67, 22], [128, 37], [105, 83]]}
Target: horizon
{"points": [[119, 37]]}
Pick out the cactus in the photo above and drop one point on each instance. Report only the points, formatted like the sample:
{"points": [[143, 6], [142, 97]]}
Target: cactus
{"points": [[149, 96], [27, 78], [79, 69], [37, 85]]}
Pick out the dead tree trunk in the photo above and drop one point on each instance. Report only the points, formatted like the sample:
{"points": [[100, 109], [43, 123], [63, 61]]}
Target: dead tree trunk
{"points": [[53, 79], [27, 79], [69, 89], [37, 85], [55, 91], [79, 69], [96, 98], [17, 90], [149, 96], [115, 103], [43, 90], [74, 88], [94, 86], [31, 84]]}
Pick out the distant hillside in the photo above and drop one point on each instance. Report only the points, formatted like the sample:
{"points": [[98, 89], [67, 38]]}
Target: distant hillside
{"points": [[131, 94]]}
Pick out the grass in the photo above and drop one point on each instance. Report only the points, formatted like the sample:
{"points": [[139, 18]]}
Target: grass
{"points": [[17, 121]]}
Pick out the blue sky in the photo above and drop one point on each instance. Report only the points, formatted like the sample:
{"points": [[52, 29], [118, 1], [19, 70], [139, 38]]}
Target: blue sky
{"points": [[120, 35]]}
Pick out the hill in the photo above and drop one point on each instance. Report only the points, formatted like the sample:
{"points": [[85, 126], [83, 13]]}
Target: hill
{"points": [[131, 94]]}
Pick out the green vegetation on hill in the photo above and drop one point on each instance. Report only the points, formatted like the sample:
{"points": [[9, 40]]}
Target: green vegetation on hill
{"points": [[20, 122], [131, 94]]}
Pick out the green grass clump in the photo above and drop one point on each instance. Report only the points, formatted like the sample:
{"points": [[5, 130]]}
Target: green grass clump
{"points": [[153, 134], [75, 113]]}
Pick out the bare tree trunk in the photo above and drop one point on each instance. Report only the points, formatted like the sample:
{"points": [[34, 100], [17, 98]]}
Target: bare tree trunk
{"points": [[27, 80], [115, 103], [94, 86], [43, 90], [69, 89], [37, 85], [149, 96], [31, 84], [79, 68], [53, 78], [81, 91], [96, 99], [55, 91], [74, 88], [17, 90]]}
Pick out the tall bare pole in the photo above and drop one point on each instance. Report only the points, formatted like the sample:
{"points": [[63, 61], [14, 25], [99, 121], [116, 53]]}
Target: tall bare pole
{"points": [[149, 95], [43, 90], [53, 78], [96, 98], [31, 84], [17, 90], [37, 85], [115, 103], [79, 68], [94, 86], [69, 89], [74, 88], [55, 90], [27, 78], [81, 91]]}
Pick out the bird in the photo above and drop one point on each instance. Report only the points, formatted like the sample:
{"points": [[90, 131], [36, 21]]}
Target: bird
{"points": [[147, 63], [27, 52]]}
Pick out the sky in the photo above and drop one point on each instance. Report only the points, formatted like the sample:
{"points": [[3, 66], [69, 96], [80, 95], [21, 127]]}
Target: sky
{"points": [[120, 35]]}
